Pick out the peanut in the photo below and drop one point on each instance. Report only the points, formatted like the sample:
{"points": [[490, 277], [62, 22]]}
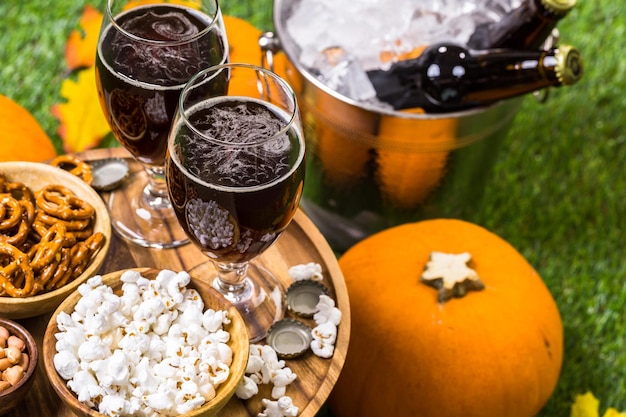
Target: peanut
{"points": [[4, 335], [14, 359], [13, 375], [13, 354], [17, 342]]}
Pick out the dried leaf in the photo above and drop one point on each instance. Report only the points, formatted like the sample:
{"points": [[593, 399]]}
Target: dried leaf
{"points": [[587, 405], [83, 124], [80, 50]]}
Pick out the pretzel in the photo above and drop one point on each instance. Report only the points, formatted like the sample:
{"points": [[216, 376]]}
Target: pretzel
{"points": [[70, 225], [74, 166], [18, 190], [82, 252], [13, 208], [15, 265], [42, 229], [62, 272], [44, 252], [60, 202]]}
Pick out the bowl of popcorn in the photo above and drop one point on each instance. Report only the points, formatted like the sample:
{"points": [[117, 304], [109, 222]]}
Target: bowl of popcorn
{"points": [[145, 342], [18, 362], [55, 232]]}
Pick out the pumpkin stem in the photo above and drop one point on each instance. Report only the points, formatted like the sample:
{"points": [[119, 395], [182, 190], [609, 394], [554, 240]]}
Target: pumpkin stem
{"points": [[450, 275]]}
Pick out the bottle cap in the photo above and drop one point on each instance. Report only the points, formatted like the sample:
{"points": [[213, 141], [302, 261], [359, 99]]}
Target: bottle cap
{"points": [[569, 64], [302, 297], [289, 338], [560, 7], [109, 173]]}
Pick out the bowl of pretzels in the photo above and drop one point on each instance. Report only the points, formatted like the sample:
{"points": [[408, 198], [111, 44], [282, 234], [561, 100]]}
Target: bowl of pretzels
{"points": [[55, 232]]}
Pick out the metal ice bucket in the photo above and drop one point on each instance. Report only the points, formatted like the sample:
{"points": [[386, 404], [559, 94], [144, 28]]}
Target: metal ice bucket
{"points": [[369, 169]]}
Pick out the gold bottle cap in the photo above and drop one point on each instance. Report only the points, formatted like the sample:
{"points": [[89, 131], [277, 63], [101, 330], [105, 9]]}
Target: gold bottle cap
{"points": [[560, 7], [569, 65]]}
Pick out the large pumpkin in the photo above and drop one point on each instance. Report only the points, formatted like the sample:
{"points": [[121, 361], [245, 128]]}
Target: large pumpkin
{"points": [[495, 352], [21, 136]]}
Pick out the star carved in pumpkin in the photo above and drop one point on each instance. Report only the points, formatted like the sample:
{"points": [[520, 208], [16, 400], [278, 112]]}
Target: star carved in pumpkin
{"points": [[450, 274]]}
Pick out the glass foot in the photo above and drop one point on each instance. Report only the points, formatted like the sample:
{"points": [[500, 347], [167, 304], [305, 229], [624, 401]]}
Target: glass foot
{"points": [[259, 297], [143, 218]]}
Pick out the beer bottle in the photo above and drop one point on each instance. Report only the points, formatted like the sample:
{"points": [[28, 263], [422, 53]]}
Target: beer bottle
{"points": [[448, 77], [525, 27]]}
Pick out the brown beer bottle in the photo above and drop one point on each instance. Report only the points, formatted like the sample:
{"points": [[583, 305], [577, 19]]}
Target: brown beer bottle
{"points": [[525, 27], [448, 77]]}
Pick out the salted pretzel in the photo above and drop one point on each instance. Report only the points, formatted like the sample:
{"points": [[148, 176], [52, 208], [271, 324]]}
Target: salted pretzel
{"points": [[61, 202], [45, 251], [18, 190], [62, 272], [82, 252], [15, 228], [11, 212], [70, 225], [15, 268], [74, 166]]}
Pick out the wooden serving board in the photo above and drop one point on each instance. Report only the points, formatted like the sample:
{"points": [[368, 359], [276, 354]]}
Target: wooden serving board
{"points": [[301, 243]]}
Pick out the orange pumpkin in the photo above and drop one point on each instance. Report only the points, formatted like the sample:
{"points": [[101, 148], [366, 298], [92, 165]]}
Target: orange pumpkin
{"points": [[495, 352], [21, 136]]}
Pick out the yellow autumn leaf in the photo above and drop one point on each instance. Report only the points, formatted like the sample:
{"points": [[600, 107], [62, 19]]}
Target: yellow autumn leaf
{"points": [[587, 405], [83, 124], [80, 49], [612, 412]]}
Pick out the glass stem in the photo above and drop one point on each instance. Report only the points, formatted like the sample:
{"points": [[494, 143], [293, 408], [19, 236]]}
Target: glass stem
{"points": [[231, 281], [155, 193]]}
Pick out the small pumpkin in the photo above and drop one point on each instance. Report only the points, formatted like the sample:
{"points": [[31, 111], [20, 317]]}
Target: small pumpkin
{"points": [[21, 136], [492, 352]]}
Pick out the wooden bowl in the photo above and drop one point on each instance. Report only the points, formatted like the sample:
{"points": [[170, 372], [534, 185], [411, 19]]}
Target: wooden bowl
{"points": [[14, 395], [36, 176], [212, 299]]}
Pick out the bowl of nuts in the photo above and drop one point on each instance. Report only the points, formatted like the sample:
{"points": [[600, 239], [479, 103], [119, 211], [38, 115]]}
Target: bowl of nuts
{"points": [[18, 361], [145, 342], [55, 232]]}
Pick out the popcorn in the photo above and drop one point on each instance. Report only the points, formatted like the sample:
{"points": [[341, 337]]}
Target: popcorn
{"points": [[247, 388], [326, 311], [151, 351], [324, 334], [264, 367], [282, 408], [310, 270]]}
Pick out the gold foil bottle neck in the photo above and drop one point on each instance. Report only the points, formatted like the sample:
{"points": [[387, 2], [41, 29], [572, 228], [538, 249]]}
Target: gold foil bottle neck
{"points": [[569, 65], [560, 7]]}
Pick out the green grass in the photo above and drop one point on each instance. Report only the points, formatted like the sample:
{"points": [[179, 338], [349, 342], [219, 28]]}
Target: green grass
{"points": [[557, 193]]}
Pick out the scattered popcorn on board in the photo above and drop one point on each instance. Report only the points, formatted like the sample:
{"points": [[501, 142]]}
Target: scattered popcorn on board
{"points": [[264, 364]]}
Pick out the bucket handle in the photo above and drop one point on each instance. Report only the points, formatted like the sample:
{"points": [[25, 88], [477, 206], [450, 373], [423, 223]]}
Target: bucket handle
{"points": [[270, 45]]}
